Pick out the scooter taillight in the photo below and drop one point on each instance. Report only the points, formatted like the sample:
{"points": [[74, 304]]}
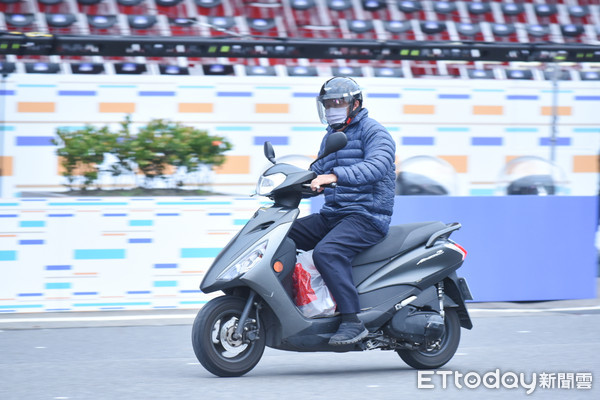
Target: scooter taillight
{"points": [[459, 248]]}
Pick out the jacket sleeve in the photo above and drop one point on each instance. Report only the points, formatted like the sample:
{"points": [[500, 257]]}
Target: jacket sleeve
{"points": [[379, 158], [318, 166]]}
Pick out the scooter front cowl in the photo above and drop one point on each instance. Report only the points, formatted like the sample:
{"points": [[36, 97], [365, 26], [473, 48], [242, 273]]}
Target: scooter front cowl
{"points": [[254, 244]]}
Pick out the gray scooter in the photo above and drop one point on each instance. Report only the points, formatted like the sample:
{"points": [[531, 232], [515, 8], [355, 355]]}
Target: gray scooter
{"points": [[412, 301]]}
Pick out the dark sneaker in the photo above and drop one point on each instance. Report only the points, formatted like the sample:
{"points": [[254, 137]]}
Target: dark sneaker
{"points": [[349, 333]]}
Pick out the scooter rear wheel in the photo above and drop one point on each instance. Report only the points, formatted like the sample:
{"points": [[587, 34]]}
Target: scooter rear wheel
{"points": [[213, 342], [421, 359]]}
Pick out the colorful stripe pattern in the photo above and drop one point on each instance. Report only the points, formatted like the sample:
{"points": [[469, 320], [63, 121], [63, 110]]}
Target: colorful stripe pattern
{"points": [[476, 122], [52, 266]]}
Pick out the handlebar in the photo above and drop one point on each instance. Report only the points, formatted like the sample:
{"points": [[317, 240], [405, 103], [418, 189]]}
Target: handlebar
{"points": [[313, 193], [329, 185]]}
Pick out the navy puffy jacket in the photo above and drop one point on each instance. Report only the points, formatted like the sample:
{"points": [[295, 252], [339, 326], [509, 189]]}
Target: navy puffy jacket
{"points": [[365, 173]]}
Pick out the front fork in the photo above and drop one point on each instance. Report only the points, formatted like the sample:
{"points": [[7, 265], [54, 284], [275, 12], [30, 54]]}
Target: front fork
{"points": [[242, 331]]}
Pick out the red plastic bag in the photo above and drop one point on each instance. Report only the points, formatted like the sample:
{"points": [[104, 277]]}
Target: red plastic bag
{"points": [[312, 296]]}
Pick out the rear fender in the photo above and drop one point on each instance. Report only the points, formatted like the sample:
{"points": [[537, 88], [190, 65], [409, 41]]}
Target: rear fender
{"points": [[452, 290]]}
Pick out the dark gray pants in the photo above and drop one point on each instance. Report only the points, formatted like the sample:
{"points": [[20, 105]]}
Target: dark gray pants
{"points": [[335, 245]]}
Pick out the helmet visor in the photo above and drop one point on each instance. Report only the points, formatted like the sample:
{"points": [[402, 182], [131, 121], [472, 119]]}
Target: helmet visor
{"points": [[326, 102]]}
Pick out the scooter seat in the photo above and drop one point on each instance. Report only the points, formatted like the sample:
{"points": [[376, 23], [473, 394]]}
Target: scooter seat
{"points": [[399, 239]]}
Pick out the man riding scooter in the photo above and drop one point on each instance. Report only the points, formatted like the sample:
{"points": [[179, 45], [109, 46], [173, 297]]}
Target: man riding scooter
{"points": [[357, 211]]}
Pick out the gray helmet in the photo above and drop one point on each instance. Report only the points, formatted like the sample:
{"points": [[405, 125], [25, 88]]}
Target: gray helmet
{"points": [[338, 92]]}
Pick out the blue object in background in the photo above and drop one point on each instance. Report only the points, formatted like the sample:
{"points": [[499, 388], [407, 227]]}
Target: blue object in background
{"points": [[520, 248]]}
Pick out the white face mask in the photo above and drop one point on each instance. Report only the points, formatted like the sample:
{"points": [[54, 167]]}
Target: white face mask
{"points": [[336, 115]]}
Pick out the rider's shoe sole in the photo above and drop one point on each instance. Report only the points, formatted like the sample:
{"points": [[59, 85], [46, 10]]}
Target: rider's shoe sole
{"points": [[355, 339]]}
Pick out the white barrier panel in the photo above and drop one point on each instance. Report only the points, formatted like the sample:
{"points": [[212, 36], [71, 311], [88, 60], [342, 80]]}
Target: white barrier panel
{"points": [[476, 126], [80, 254]]}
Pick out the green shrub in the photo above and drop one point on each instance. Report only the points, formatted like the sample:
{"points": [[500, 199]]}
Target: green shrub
{"points": [[158, 147]]}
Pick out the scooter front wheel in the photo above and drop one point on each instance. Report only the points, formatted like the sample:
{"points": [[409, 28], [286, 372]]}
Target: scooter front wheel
{"points": [[422, 359], [214, 343]]}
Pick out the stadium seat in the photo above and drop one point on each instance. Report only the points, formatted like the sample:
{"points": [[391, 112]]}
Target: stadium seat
{"points": [[411, 9], [211, 8], [519, 74], [20, 20], [433, 27], [399, 30], [339, 5], [259, 70], [446, 11], [60, 20], [572, 32], [434, 30], [305, 15], [513, 12], [388, 72], [131, 7], [546, 13], [130, 68], [360, 26], [537, 32], [171, 8], [169, 69], [444, 7], [221, 22], [183, 26], [53, 6], [94, 7], [373, 5], [302, 4], [480, 12], [347, 71], [409, 6], [61, 23], [578, 11], [217, 69], [101, 21], [86, 68], [589, 75], [144, 22], [130, 3], [480, 74], [300, 70], [469, 31], [42, 68], [504, 32], [167, 3], [261, 24], [545, 9]]}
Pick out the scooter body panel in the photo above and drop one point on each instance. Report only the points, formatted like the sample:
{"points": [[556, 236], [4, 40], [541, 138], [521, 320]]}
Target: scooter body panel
{"points": [[420, 267], [259, 228]]}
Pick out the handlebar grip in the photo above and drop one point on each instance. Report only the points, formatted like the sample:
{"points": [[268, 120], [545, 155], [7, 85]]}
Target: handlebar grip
{"points": [[329, 185]]}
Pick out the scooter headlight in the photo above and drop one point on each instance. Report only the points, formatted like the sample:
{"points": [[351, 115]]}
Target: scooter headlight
{"points": [[244, 263], [266, 184]]}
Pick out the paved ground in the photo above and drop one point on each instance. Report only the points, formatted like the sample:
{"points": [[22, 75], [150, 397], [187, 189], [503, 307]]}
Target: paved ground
{"points": [[148, 355], [157, 362]]}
